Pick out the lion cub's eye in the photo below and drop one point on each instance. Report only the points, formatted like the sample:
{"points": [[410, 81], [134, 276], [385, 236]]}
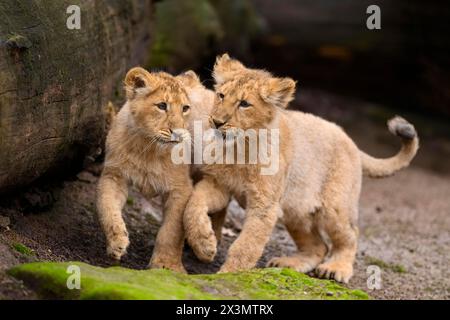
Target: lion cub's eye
{"points": [[186, 109], [221, 96], [161, 106], [244, 104]]}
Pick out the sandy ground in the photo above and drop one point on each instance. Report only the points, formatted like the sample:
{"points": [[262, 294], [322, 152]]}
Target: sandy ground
{"points": [[404, 220]]}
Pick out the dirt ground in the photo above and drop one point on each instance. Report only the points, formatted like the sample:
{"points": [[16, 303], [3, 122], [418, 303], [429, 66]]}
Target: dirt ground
{"points": [[404, 219]]}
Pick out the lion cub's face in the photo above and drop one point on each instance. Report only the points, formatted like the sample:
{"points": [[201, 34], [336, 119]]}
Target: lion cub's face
{"points": [[159, 104], [247, 98]]}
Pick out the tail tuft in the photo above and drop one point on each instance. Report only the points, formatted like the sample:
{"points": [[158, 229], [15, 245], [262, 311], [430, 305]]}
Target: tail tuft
{"points": [[378, 168], [401, 128]]}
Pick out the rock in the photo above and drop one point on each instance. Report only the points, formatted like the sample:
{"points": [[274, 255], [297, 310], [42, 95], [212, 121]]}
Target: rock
{"points": [[49, 279], [4, 222], [86, 176], [235, 216], [228, 232], [95, 169], [8, 259], [35, 199]]}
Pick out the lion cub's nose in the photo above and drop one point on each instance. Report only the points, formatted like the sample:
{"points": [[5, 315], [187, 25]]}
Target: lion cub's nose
{"points": [[218, 123], [178, 135]]}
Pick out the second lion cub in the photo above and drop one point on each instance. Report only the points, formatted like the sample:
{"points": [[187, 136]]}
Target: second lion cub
{"points": [[138, 151], [316, 189]]}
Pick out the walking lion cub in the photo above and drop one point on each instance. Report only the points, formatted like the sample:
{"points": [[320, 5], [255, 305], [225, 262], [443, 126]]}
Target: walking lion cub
{"points": [[316, 189], [138, 151]]}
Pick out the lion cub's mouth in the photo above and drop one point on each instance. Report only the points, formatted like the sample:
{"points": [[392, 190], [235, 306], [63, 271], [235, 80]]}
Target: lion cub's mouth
{"points": [[164, 140], [174, 137]]}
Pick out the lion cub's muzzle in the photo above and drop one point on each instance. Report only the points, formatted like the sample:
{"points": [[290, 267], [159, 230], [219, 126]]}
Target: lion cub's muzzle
{"points": [[180, 135], [217, 123]]}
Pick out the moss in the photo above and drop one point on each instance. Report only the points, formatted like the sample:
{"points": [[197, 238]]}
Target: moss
{"points": [[377, 262], [49, 280], [130, 201], [18, 41], [23, 249], [398, 268], [387, 266]]}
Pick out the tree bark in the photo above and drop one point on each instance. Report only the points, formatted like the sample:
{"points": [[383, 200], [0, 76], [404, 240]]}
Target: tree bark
{"points": [[55, 83]]}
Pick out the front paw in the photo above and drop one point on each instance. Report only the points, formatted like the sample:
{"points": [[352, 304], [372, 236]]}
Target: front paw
{"points": [[117, 245], [204, 245], [337, 270], [292, 263]]}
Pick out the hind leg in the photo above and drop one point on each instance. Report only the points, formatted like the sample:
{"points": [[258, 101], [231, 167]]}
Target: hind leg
{"points": [[343, 236], [338, 219], [208, 196], [311, 248], [169, 242]]}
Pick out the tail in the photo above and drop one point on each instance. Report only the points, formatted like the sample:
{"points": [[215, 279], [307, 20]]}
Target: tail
{"points": [[378, 168]]}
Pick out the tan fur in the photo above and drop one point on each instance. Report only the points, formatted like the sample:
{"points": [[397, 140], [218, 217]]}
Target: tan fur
{"points": [[138, 151], [316, 190]]}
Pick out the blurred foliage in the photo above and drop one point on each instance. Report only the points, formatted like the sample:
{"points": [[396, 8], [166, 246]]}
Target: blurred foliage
{"points": [[187, 31], [240, 22]]}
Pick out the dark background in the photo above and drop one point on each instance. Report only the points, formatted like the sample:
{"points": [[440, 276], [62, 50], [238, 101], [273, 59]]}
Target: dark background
{"points": [[346, 73], [325, 43]]}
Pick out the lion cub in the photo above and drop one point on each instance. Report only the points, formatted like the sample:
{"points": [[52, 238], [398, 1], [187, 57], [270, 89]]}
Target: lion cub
{"points": [[138, 151], [315, 190]]}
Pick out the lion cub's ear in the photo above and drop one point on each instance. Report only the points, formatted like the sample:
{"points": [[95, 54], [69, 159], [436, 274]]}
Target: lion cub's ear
{"points": [[138, 81], [278, 91], [189, 79], [226, 68]]}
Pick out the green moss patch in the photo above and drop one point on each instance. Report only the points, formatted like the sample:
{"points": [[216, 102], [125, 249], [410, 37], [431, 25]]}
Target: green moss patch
{"points": [[23, 249], [130, 201], [18, 41], [50, 279], [387, 266]]}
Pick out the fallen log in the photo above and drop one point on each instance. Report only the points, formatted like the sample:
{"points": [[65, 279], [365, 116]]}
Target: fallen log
{"points": [[55, 82]]}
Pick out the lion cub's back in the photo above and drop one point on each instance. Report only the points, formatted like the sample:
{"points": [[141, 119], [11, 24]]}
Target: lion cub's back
{"points": [[313, 133], [314, 143]]}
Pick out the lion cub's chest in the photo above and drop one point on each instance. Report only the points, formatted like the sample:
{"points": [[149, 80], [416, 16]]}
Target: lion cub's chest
{"points": [[238, 179], [150, 174]]}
